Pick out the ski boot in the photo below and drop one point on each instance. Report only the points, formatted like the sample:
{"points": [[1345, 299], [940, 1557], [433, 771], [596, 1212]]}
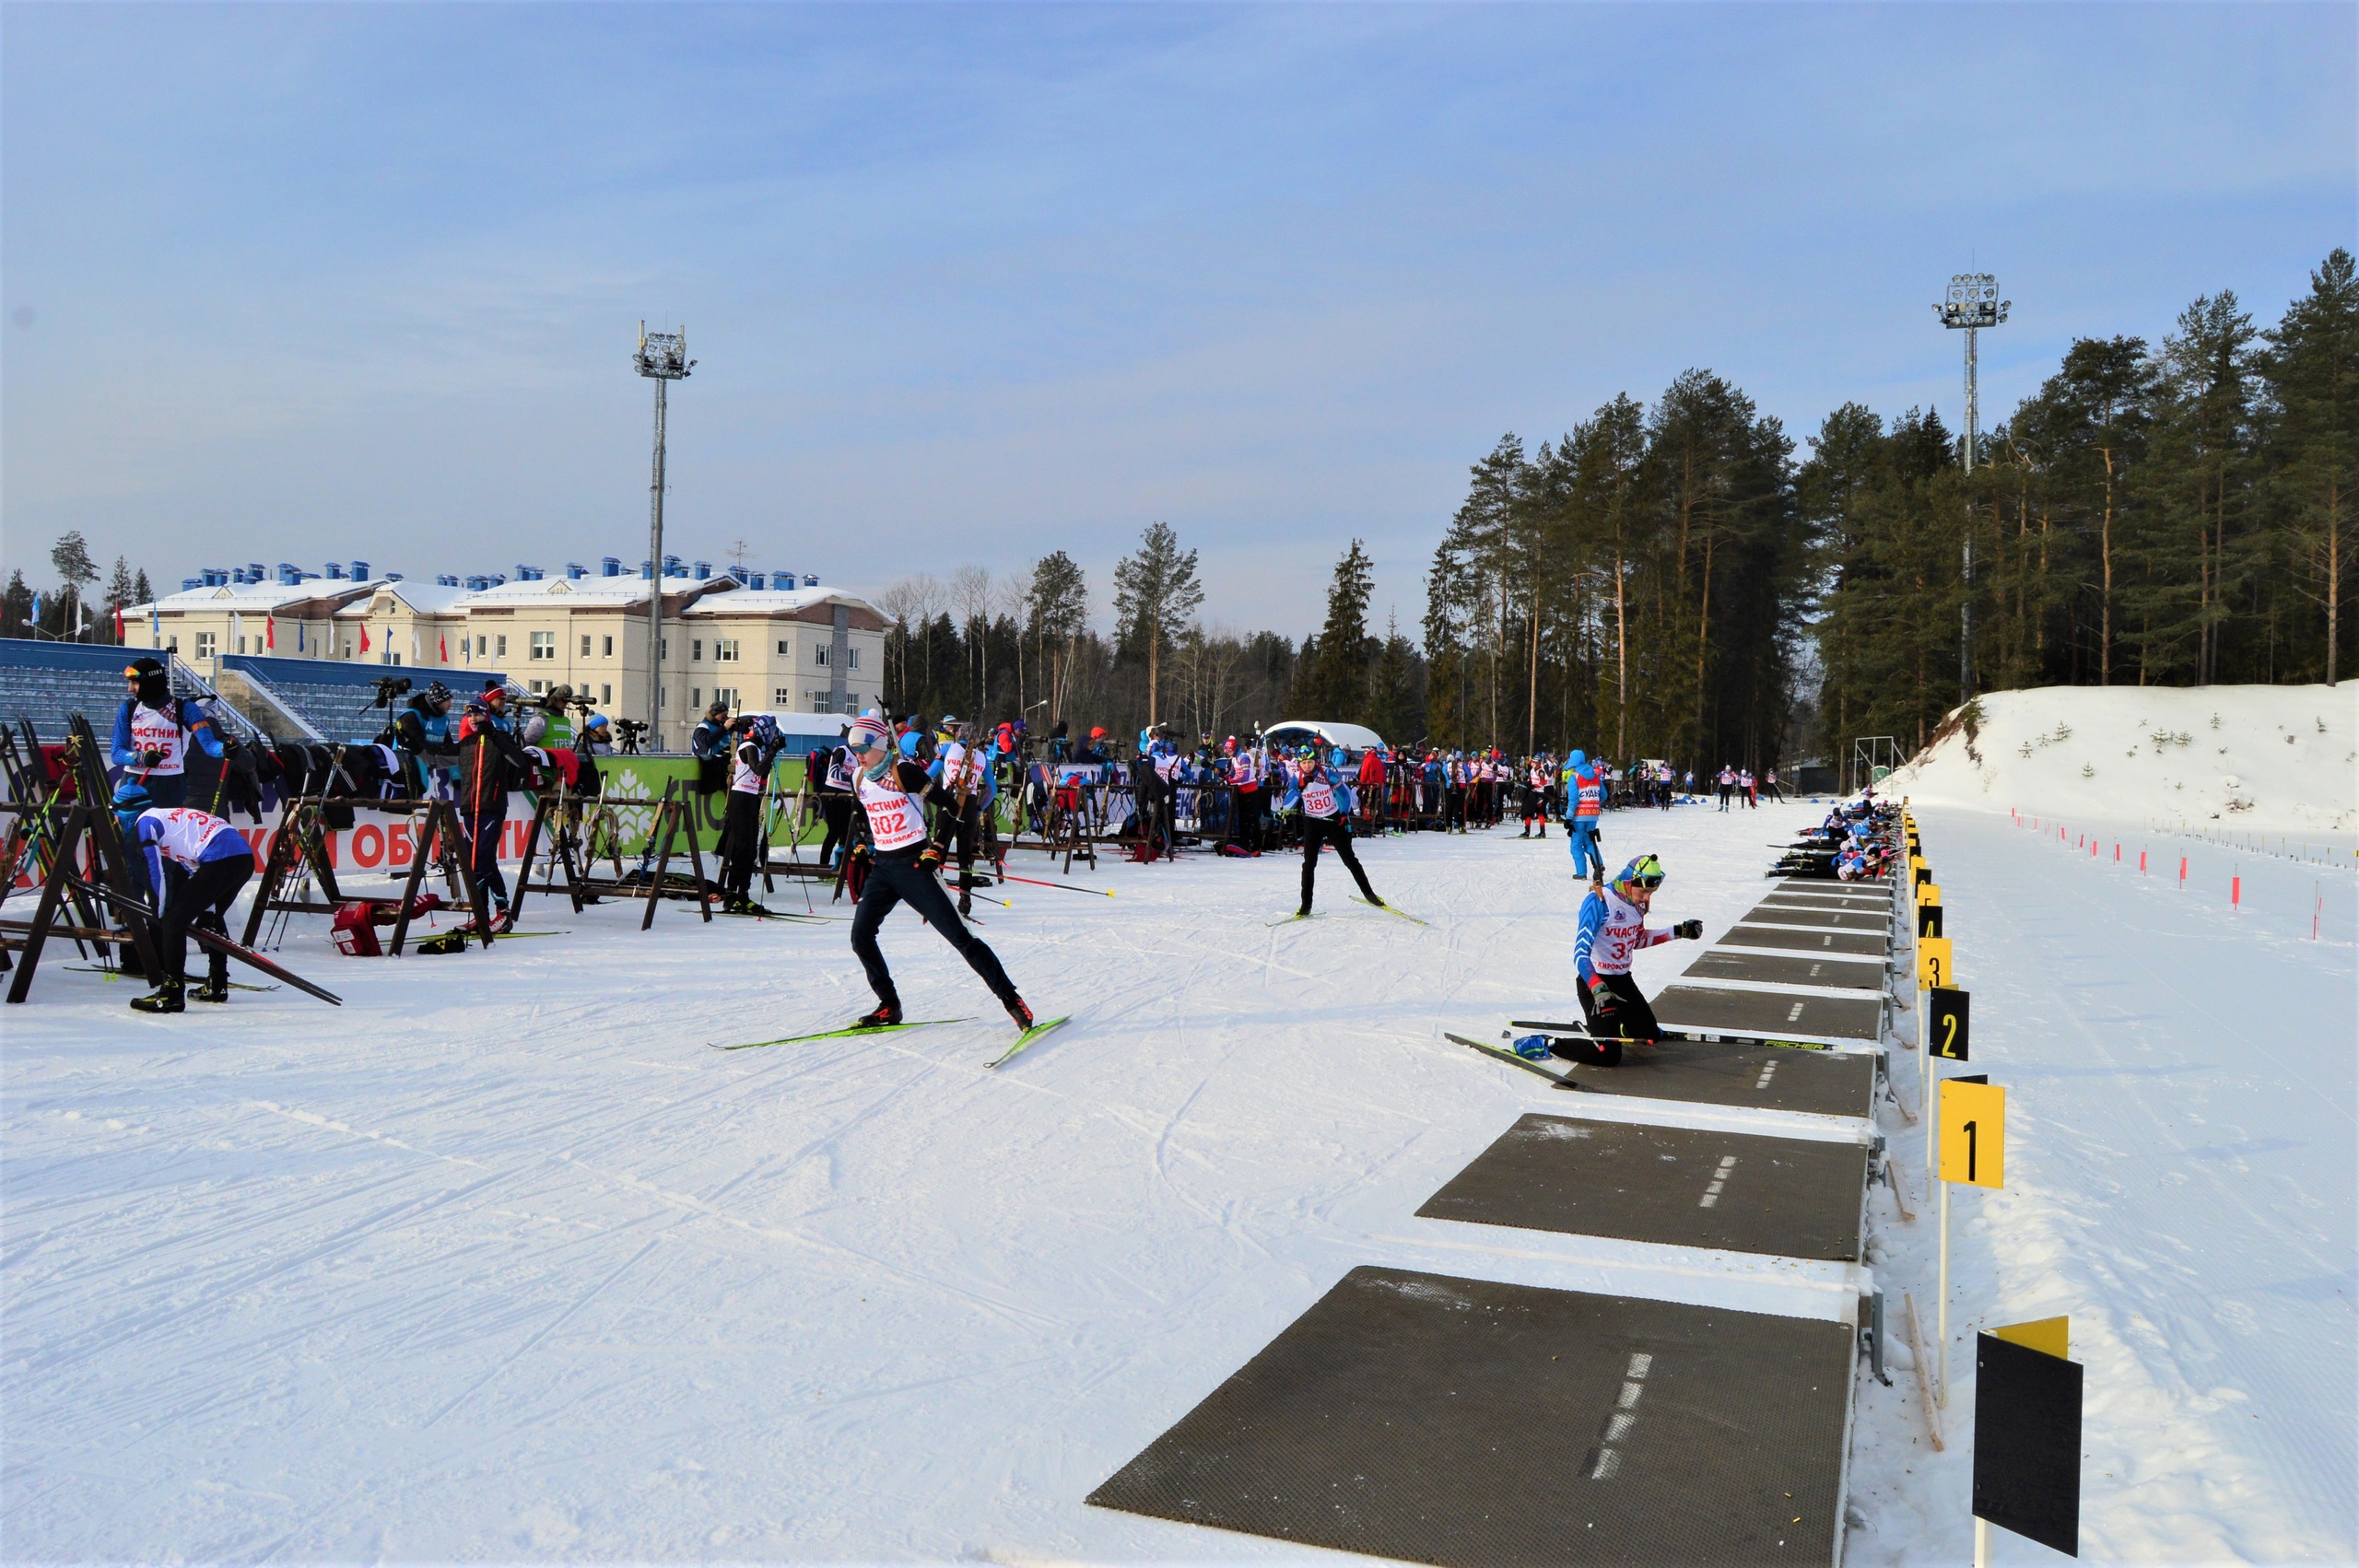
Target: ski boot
{"points": [[1019, 1012], [169, 997], [503, 921], [888, 1014], [1532, 1048], [216, 989]]}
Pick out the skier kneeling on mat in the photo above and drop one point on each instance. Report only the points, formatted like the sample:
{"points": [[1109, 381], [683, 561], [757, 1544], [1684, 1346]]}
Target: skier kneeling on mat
{"points": [[1326, 803], [1613, 926], [900, 862]]}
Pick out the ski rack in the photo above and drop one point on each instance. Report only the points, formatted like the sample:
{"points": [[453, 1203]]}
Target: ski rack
{"points": [[300, 839], [653, 877]]}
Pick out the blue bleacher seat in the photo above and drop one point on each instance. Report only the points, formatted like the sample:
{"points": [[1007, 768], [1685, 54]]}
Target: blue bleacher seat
{"points": [[336, 697]]}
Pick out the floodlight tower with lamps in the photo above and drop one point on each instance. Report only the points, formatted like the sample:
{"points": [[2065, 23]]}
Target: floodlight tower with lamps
{"points": [[1973, 304], [663, 358]]}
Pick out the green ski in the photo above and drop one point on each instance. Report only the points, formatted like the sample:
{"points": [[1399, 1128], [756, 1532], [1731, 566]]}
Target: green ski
{"points": [[1391, 911], [841, 1033], [1026, 1038]]}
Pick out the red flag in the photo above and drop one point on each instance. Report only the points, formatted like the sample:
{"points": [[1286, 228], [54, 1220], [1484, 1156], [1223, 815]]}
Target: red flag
{"points": [[117, 625], [270, 631], [443, 649], [364, 637]]}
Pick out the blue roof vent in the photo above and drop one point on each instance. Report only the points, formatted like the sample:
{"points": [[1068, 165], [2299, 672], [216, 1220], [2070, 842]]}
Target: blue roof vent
{"points": [[575, 571], [753, 580], [703, 571], [811, 582], [189, 582], [610, 565], [361, 571], [335, 571]]}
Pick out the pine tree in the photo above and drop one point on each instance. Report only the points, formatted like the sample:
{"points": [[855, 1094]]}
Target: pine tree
{"points": [[17, 607], [140, 592], [2312, 368], [71, 557], [1155, 592], [1333, 682]]}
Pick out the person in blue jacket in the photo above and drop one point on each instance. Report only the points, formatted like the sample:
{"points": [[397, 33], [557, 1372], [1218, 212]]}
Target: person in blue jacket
{"points": [[153, 731], [1585, 800], [1325, 802]]}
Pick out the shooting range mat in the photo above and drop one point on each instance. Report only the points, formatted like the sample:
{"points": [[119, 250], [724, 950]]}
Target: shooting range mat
{"points": [[1821, 919], [1859, 944], [1769, 1015], [1858, 892], [1468, 1423], [1684, 1186], [1788, 969], [1773, 1078]]}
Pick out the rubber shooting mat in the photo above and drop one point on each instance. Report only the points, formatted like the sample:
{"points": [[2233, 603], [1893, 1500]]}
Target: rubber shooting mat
{"points": [[1788, 969], [1825, 919], [1684, 1186], [1859, 944], [1467, 1423], [1768, 1015], [1771, 1077], [1879, 891], [1823, 901]]}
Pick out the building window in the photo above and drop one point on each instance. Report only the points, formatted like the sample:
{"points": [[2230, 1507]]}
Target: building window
{"points": [[822, 701], [724, 651], [664, 648], [392, 658], [696, 651], [608, 651], [783, 697], [500, 651], [585, 645], [606, 693], [538, 688], [205, 644], [851, 658], [727, 694], [348, 647], [785, 648], [819, 657], [171, 645], [541, 645]]}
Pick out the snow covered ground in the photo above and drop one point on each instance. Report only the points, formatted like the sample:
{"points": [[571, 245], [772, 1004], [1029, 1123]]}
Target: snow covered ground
{"points": [[2282, 759], [501, 1260]]}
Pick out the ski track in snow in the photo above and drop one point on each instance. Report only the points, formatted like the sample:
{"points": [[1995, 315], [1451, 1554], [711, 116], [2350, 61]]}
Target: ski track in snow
{"points": [[501, 1260]]}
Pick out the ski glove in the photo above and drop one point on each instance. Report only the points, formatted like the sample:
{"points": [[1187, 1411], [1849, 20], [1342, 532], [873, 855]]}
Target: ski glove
{"points": [[150, 757], [1600, 993], [1692, 930], [930, 858]]}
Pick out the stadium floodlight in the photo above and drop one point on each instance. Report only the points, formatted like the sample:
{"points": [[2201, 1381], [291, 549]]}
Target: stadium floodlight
{"points": [[663, 358], [1973, 304]]}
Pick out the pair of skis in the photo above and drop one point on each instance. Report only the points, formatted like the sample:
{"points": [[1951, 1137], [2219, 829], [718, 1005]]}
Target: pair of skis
{"points": [[1387, 908], [1026, 1038]]}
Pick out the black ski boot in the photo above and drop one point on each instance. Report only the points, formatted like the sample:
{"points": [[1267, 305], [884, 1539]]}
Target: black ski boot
{"points": [[214, 989], [886, 1015], [166, 997], [1019, 1012]]}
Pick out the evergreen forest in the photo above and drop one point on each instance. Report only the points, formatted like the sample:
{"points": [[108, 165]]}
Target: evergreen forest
{"points": [[1682, 579]]}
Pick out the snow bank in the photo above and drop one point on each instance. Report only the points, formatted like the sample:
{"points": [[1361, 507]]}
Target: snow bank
{"points": [[2275, 757]]}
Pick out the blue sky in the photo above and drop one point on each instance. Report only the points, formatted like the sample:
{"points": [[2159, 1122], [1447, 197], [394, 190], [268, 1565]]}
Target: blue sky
{"points": [[970, 284]]}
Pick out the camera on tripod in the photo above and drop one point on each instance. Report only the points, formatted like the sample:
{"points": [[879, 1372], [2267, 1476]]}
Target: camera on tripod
{"points": [[388, 688], [632, 732]]}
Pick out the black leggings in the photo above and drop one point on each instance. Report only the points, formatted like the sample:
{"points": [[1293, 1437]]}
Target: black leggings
{"points": [[200, 898], [741, 835], [835, 809], [1317, 830], [483, 834], [897, 877], [1248, 819], [1629, 1019]]}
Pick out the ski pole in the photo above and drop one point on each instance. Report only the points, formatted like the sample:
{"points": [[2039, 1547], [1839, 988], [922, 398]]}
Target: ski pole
{"points": [[1069, 887]]}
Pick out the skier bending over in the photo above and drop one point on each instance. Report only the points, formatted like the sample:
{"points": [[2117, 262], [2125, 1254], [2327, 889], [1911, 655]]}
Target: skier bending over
{"points": [[900, 862], [1325, 800], [1613, 926], [197, 863]]}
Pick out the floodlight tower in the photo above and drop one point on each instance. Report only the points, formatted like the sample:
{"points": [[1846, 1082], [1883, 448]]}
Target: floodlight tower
{"points": [[1973, 304], [663, 358]]}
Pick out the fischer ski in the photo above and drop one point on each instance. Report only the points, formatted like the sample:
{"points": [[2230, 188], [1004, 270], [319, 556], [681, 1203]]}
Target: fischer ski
{"points": [[843, 1033], [1561, 1080], [1581, 1032], [1391, 911], [1026, 1038]]}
